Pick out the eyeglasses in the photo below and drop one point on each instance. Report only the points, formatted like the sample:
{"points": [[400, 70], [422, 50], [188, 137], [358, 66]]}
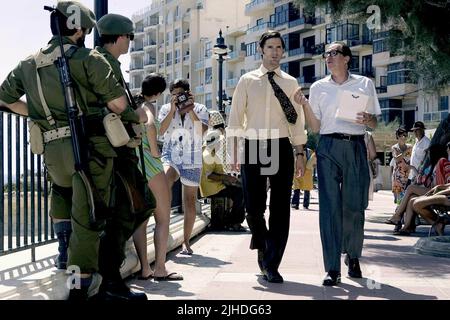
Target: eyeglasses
{"points": [[130, 36], [331, 53]]}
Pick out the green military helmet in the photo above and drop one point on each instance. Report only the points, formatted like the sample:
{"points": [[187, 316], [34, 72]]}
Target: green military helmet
{"points": [[114, 24], [70, 9]]}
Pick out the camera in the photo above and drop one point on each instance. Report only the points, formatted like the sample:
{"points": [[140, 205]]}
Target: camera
{"points": [[183, 103]]}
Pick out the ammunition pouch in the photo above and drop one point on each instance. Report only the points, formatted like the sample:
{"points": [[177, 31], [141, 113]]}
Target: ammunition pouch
{"points": [[115, 130], [36, 138]]}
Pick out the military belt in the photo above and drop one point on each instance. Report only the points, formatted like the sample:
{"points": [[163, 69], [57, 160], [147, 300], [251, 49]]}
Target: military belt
{"points": [[56, 134]]}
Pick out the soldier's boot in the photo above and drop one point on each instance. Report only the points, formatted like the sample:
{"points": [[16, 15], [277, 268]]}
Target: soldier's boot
{"points": [[88, 288], [63, 231], [117, 290]]}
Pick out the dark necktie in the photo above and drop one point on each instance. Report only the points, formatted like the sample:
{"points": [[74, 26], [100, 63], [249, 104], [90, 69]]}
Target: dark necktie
{"points": [[285, 103]]}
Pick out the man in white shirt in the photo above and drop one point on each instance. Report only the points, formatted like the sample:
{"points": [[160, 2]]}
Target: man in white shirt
{"points": [[341, 161], [264, 113], [418, 151]]}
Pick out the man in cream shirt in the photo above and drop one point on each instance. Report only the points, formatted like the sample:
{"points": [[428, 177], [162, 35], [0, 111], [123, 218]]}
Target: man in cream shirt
{"points": [[341, 161], [270, 122]]}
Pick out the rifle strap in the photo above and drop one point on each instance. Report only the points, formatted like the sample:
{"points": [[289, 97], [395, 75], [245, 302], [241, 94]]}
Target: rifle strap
{"points": [[42, 60]]}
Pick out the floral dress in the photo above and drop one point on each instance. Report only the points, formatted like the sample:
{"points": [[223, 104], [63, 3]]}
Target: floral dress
{"points": [[400, 174]]}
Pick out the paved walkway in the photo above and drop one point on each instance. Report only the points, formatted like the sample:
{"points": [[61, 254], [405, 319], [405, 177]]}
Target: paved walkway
{"points": [[222, 266]]}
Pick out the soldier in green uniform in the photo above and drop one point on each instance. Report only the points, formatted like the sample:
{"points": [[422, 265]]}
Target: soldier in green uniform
{"points": [[116, 32], [95, 88]]}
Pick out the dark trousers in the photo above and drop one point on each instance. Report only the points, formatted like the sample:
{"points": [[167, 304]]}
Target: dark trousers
{"points": [[262, 162], [296, 197], [123, 222], [343, 197], [237, 214]]}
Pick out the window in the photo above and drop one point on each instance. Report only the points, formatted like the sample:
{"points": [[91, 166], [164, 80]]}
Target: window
{"points": [[177, 56], [282, 14], [169, 59], [208, 49], [380, 46], [443, 103], [259, 21], [208, 75], [251, 49], [343, 31], [208, 100], [354, 64], [399, 73], [169, 38], [285, 67], [177, 35]]}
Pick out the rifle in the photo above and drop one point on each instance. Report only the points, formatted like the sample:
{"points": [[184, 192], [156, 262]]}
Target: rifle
{"points": [[141, 148], [97, 207]]}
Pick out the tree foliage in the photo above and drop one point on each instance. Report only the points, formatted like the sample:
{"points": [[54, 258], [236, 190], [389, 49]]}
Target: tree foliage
{"points": [[419, 29]]}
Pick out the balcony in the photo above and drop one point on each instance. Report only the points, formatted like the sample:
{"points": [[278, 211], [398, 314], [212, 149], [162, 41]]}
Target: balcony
{"points": [[359, 43], [161, 66], [318, 50], [318, 21], [304, 22], [149, 45], [187, 58], [149, 62], [302, 53], [236, 56], [199, 90], [137, 50], [257, 6], [186, 36], [381, 90], [366, 73], [199, 65], [305, 82], [232, 83], [261, 27]]}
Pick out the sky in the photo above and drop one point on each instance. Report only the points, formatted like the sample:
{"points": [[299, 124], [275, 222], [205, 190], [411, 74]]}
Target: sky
{"points": [[25, 28]]}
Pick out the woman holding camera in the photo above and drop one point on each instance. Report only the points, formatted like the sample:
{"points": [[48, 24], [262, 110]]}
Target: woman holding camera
{"points": [[183, 123]]}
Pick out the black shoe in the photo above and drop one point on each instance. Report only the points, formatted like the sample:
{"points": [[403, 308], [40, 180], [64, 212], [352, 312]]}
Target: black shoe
{"points": [[272, 276], [118, 291], [260, 259], [332, 278], [294, 206], [354, 270]]}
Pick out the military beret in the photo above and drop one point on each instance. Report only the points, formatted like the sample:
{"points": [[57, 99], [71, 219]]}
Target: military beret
{"points": [[70, 8], [114, 24]]}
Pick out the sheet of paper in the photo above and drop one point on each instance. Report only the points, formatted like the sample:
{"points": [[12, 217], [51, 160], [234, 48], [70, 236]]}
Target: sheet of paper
{"points": [[350, 103]]}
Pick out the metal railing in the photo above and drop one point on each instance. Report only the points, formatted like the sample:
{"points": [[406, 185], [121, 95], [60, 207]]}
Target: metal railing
{"points": [[25, 223], [24, 206]]}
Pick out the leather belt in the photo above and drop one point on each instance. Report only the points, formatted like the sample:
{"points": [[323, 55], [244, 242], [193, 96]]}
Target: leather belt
{"points": [[343, 136], [56, 134]]}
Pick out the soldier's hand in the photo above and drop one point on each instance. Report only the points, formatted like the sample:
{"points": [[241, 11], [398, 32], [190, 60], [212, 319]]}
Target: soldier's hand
{"points": [[142, 115]]}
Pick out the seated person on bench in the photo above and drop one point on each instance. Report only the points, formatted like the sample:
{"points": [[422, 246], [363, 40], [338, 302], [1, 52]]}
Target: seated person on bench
{"points": [[215, 182]]}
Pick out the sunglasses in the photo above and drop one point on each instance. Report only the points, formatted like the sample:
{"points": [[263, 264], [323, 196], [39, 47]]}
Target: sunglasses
{"points": [[331, 53], [403, 135], [130, 36]]}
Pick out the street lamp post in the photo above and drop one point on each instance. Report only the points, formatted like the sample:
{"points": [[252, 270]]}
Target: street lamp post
{"points": [[221, 52], [101, 9]]}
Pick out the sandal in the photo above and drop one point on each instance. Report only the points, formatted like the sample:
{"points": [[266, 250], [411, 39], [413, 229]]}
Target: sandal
{"points": [[173, 276]]}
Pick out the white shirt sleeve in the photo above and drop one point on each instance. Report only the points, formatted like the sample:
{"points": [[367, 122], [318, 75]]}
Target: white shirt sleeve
{"points": [[314, 101]]}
